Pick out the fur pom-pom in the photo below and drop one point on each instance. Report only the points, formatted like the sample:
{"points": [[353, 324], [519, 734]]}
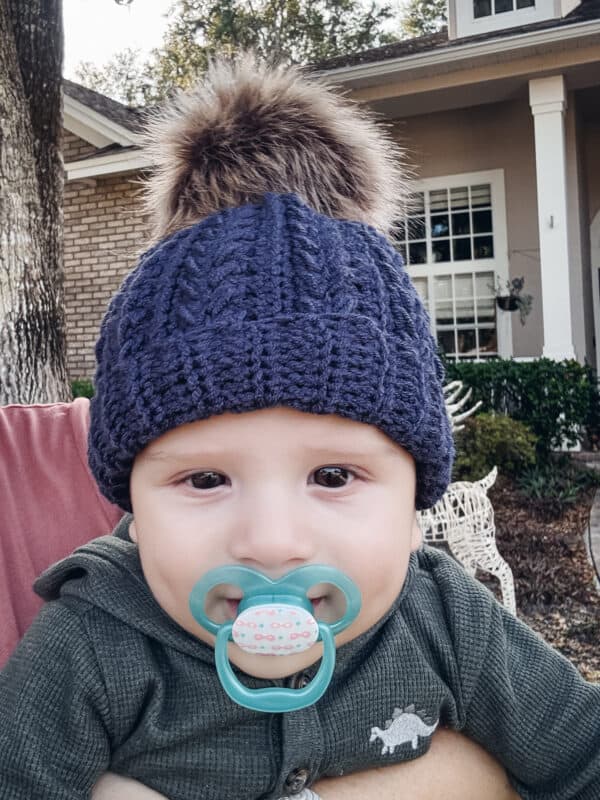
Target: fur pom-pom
{"points": [[248, 129]]}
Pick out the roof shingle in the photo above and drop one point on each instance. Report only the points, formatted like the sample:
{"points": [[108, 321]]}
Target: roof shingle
{"points": [[127, 117], [588, 10]]}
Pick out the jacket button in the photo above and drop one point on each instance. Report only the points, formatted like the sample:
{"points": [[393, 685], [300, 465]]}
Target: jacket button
{"points": [[296, 781]]}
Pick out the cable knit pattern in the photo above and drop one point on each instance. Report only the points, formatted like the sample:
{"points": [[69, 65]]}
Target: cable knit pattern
{"points": [[261, 306]]}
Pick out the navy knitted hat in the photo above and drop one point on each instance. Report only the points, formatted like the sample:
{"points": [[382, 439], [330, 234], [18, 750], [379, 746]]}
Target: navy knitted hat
{"points": [[268, 304]]}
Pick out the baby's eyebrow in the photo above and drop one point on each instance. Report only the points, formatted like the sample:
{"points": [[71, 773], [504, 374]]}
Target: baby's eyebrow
{"points": [[344, 451], [164, 455]]}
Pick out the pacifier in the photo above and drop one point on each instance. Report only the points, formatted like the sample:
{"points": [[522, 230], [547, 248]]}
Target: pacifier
{"points": [[275, 617]]}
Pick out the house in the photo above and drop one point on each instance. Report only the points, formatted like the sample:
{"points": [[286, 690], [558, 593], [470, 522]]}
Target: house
{"points": [[103, 229], [501, 117]]}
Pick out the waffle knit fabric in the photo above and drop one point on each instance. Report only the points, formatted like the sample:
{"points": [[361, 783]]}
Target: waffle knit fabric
{"points": [[260, 306], [105, 679]]}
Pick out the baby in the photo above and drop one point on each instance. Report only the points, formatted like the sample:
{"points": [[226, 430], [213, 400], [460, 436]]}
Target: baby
{"points": [[268, 397]]}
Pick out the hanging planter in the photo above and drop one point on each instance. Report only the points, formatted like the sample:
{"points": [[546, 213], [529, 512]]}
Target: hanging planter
{"points": [[508, 302], [509, 297]]}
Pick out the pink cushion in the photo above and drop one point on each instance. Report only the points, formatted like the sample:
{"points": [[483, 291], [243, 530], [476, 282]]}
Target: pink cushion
{"points": [[49, 503]]}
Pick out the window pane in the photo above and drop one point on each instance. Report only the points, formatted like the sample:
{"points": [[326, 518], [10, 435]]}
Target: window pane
{"points": [[444, 313], [484, 247], [461, 224], [482, 222], [440, 225], [463, 285], [421, 285], [461, 249], [488, 343], [459, 197], [484, 284], [465, 312], [525, 3], [416, 228], [438, 200], [486, 310], [443, 287], [417, 203], [467, 342], [401, 248], [503, 5], [417, 253], [481, 195], [482, 8], [399, 230], [440, 250], [446, 342]]}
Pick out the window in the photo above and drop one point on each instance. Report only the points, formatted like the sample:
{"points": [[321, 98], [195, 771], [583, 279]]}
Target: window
{"points": [[486, 16], [486, 8], [451, 242]]}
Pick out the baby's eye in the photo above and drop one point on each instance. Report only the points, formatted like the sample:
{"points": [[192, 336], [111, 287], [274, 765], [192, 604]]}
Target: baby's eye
{"points": [[206, 480], [332, 477]]}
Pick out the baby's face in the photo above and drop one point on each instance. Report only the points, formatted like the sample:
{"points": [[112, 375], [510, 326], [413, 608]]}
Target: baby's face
{"points": [[274, 490]]}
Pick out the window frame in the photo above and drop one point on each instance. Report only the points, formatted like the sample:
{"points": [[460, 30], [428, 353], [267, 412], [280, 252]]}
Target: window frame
{"points": [[498, 264], [467, 24], [494, 13]]}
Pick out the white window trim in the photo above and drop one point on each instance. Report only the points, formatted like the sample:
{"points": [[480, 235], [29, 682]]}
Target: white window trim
{"points": [[498, 264], [468, 25]]}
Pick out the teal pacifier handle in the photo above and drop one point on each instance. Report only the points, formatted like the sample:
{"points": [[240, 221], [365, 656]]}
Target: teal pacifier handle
{"points": [[275, 699], [275, 618]]}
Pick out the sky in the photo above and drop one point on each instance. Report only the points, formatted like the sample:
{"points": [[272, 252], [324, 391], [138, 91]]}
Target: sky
{"points": [[97, 29]]}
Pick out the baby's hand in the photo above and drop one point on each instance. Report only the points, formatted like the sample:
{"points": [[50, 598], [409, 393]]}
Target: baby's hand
{"points": [[115, 787]]}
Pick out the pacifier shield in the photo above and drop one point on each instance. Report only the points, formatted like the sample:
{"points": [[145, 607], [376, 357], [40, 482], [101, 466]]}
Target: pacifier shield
{"points": [[275, 629]]}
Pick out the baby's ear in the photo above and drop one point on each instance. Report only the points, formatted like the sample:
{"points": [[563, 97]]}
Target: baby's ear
{"points": [[416, 539], [133, 531]]}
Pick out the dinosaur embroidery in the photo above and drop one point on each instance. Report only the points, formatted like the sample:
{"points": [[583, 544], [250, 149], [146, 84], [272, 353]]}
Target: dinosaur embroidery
{"points": [[405, 726]]}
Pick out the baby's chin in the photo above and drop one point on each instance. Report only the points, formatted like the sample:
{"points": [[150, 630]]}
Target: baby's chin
{"points": [[271, 667]]}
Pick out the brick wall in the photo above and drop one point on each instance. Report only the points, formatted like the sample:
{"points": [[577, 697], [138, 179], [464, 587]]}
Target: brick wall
{"points": [[75, 148], [103, 233]]}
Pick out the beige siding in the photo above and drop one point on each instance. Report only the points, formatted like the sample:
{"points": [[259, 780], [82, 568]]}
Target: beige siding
{"points": [[495, 136], [592, 163], [103, 233]]}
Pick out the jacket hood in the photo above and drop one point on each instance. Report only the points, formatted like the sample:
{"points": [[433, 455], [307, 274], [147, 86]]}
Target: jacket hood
{"points": [[106, 573]]}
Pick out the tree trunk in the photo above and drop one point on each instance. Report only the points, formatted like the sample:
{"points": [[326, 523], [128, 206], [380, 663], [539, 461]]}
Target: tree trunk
{"points": [[32, 328]]}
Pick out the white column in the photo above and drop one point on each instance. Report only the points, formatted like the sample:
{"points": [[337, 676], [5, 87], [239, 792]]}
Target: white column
{"points": [[547, 97]]}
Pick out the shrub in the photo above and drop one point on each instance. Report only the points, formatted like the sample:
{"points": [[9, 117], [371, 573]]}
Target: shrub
{"points": [[489, 440], [558, 401], [82, 387], [553, 486]]}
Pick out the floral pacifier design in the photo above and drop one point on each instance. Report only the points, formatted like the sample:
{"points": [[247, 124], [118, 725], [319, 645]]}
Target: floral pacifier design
{"points": [[275, 617]]}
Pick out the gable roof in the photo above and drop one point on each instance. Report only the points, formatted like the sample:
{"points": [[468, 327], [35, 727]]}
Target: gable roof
{"points": [[110, 126], [588, 11], [125, 116]]}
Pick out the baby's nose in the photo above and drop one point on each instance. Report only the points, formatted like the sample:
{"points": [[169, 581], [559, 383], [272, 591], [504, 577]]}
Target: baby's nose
{"points": [[273, 536]]}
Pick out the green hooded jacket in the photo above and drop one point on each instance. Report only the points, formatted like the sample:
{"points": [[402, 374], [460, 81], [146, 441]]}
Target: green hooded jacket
{"points": [[104, 679]]}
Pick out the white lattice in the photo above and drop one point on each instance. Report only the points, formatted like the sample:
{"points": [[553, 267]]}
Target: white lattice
{"points": [[464, 519]]}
